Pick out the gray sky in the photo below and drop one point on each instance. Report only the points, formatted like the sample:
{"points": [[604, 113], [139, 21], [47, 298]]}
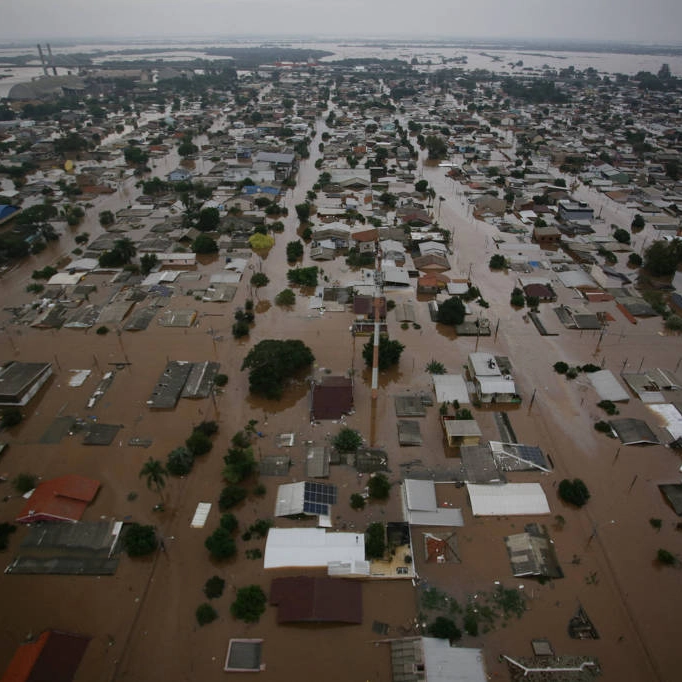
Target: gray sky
{"points": [[657, 21]]}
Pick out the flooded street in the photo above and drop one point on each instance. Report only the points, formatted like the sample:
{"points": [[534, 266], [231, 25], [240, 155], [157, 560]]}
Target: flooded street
{"points": [[142, 619]]}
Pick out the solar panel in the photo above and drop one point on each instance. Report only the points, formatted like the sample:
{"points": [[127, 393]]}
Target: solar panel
{"points": [[317, 497]]}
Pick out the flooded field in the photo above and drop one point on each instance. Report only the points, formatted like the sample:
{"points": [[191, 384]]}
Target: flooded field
{"points": [[142, 619]]}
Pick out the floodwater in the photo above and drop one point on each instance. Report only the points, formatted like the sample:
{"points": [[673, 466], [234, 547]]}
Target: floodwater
{"points": [[142, 620]]}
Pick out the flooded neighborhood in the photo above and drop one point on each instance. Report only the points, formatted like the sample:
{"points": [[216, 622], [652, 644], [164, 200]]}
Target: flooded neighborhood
{"points": [[352, 360]]}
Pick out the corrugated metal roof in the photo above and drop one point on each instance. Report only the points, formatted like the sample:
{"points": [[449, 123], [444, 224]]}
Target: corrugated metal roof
{"points": [[310, 547], [607, 387]]}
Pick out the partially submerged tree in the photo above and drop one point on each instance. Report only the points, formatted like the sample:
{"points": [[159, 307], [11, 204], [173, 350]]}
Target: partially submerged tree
{"points": [[250, 604], [272, 361], [389, 352], [155, 474]]}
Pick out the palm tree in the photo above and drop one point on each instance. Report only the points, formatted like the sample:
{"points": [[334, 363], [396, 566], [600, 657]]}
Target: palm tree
{"points": [[156, 474], [126, 248]]}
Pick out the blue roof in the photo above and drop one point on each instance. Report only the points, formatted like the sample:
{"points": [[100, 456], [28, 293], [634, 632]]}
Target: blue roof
{"points": [[6, 211], [259, 189]]}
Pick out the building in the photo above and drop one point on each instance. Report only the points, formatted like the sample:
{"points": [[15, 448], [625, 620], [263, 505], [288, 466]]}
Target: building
{"points": [[419, 659], [304, 599], [461, 431], [331, 397], [59, 499], [342, 553], [547, 237], [20, 381], [54, 656], [570, 211], [491, 383]]}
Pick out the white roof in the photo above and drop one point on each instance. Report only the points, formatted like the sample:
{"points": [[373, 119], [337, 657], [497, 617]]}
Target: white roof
{"points": [[484, 365], [290, 499], [395, 275], [420, 495], [200, 515], [450, 387], [83, 264], [607, 387], [499, 385], [457, 288], [507, 500], [65, 278], [671, 417], [421, 509], [311, 547], [445, 663], [575, 278]]}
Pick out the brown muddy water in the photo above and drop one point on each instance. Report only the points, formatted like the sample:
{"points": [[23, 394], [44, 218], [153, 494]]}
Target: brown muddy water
{"points": [[142, 620]]}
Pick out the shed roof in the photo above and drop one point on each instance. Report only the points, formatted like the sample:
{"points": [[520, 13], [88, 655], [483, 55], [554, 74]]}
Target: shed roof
{"points": [[450, 387]]}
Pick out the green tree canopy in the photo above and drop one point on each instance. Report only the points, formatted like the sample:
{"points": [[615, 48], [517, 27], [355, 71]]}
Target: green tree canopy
{"points": [[389, 352], [209, 219], [221, 544], [155, 474], [272, 361], [662, 258], [204, 244], [375, 541], [452, 311], [347, 440], [250, 604], [139, 540], [574, 491]]}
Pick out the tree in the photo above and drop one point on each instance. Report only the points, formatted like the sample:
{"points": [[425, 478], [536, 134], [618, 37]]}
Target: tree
{"points": [[517, 298], [662, 258], [204, 244], [497, 262], [637, 223], [6, 529], [663, 556], [436, 367], [451, 312], [187, 148], [214, 587], [250, 603], [221, 544], [389, 352], [445, 628], [357, 501], [622, 236], [259, 279], [305, 277], [135, 156], [155, 473], [272, 361], [205, 614], [139, 540], [436, 147], [347, 440], [231, 496], [635, 260], [286, 297], [574, 492], [303, 212], [148, 262], [379, 487], [106, 218], [294, 251], [126, 248], [180, 462], [209, 219], [198, 443], [375, 541], [421, 185]]}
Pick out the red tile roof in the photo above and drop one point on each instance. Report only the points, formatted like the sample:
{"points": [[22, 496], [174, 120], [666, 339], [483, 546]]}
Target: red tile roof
{"points": [[316, 600], [53, 657], [60, 499]]}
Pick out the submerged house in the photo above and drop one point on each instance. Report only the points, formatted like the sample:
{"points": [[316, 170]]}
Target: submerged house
{"points": [[491, 383]]}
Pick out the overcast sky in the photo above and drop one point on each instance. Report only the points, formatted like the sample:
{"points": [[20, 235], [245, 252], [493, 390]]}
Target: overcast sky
{"points": [[628, 20]]}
